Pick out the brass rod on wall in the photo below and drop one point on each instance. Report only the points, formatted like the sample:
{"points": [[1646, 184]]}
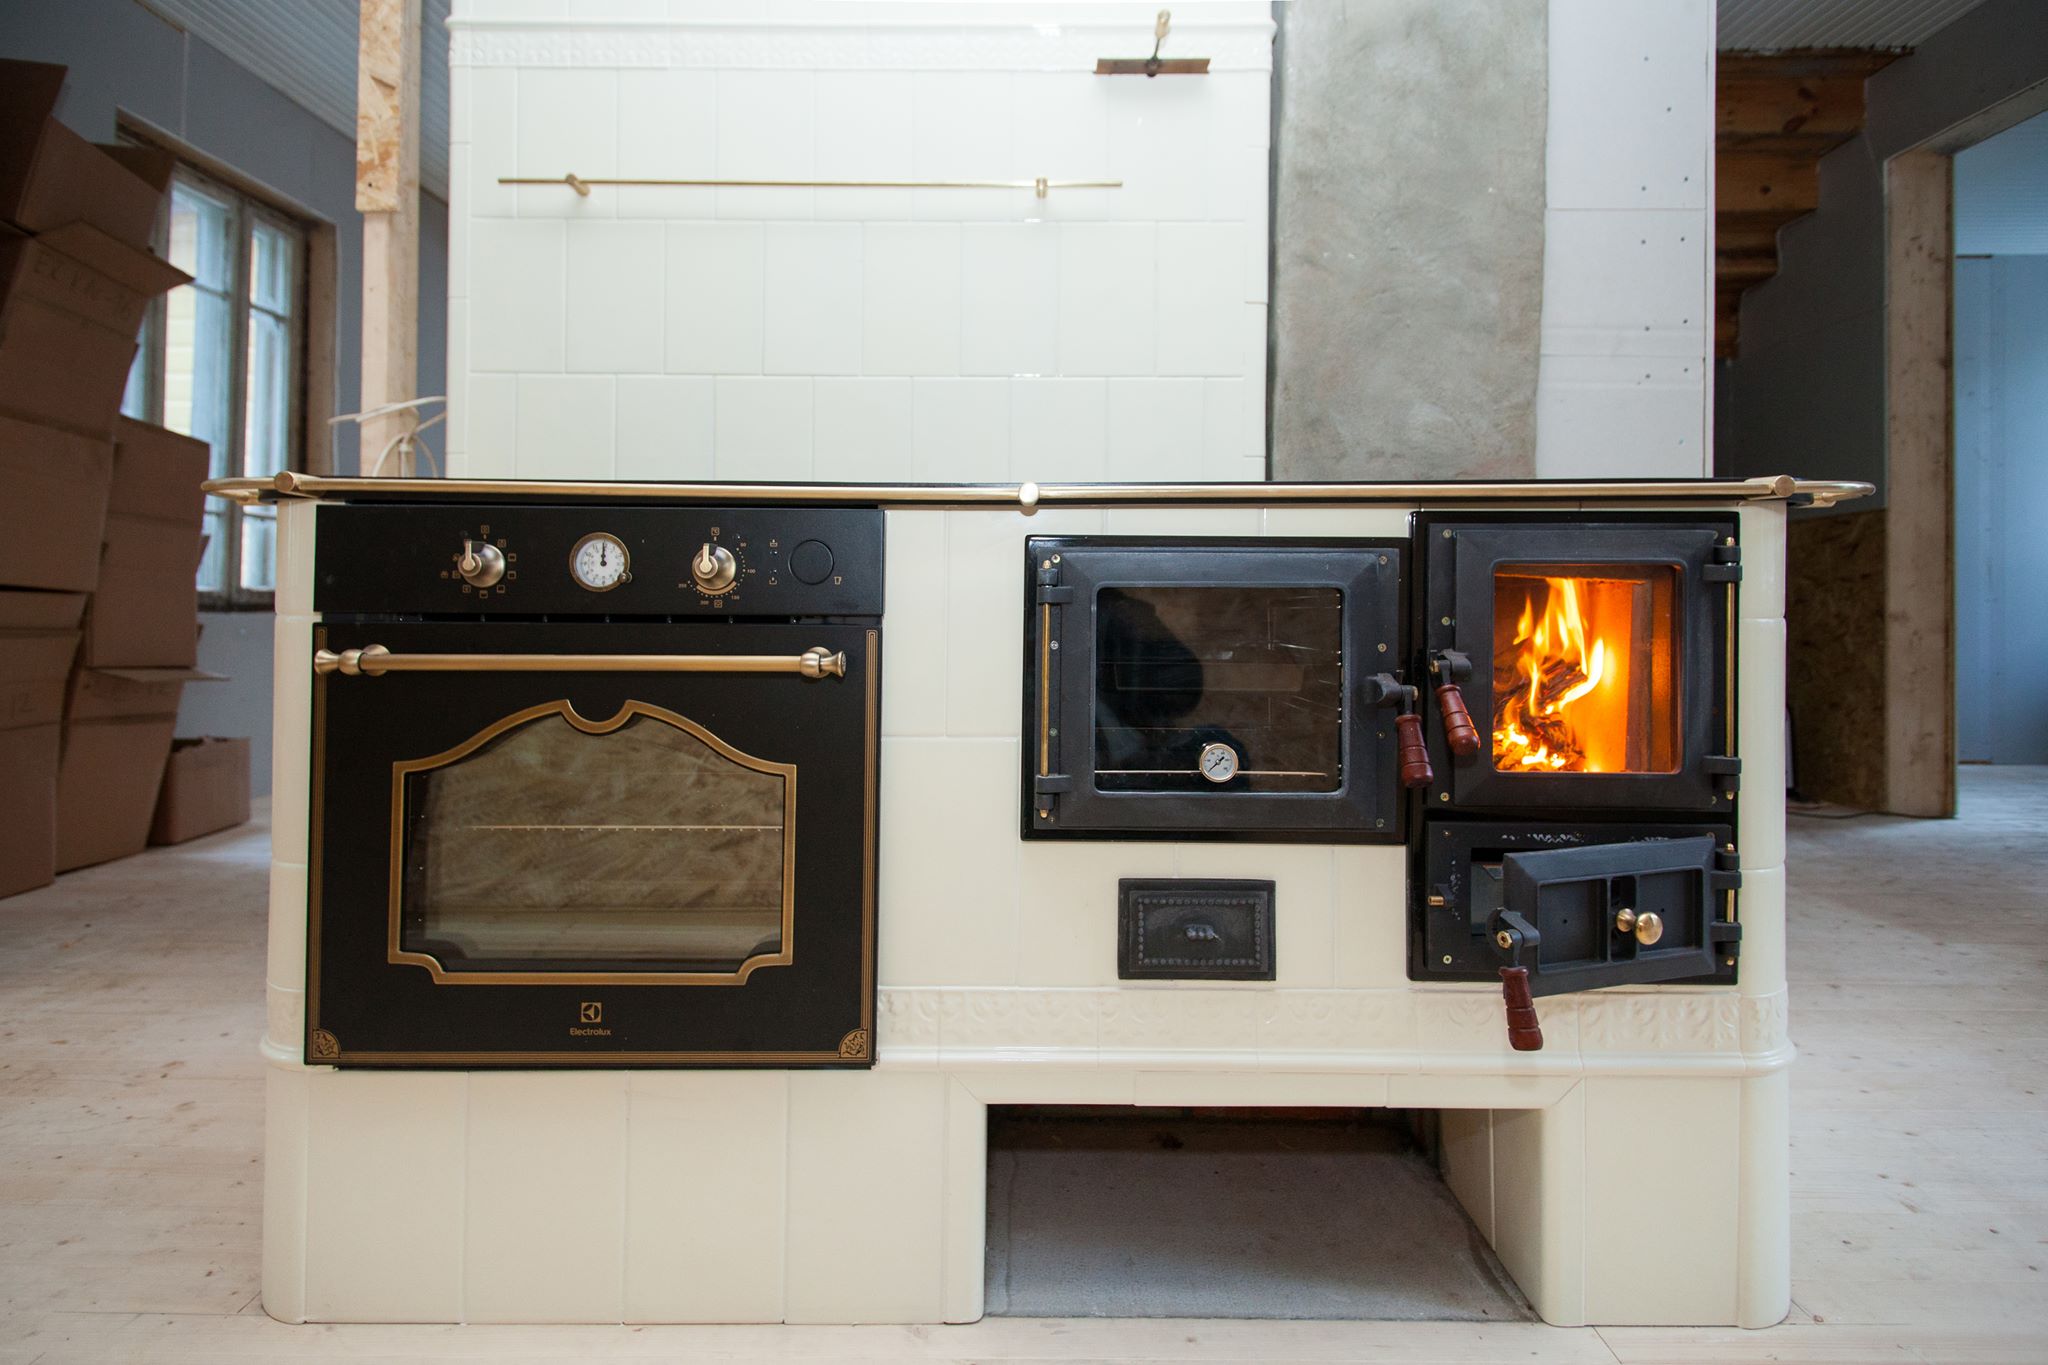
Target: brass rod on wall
{"points": [[1039, 186]]}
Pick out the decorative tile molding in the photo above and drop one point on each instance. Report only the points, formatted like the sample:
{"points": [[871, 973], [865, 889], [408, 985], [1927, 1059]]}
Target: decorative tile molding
{"points": [[933, 46], [284, 1026], [1765, 1021], [1665, 1021]]}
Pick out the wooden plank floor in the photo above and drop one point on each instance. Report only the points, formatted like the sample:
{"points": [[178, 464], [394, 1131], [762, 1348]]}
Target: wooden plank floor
{"points": [[131, 1118]]}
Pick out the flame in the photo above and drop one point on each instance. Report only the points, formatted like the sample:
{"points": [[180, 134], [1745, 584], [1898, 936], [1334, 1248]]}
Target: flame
{"points": [[1552, 663]]}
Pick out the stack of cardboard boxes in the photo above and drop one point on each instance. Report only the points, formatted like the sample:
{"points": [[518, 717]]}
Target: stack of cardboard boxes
{"points": [[100, 517]]}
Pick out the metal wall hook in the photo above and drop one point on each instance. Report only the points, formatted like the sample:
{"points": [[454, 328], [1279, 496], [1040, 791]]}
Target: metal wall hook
{"points": [[1154, 65]]}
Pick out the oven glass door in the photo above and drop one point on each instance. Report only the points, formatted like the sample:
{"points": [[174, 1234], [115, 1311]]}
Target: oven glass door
{"points": [[1210, 689], [599, 861]]}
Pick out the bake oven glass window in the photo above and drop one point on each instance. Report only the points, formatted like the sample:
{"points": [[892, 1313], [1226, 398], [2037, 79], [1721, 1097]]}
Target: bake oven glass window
{"points": [[1205, 688], [1586, 669], [548, 843]]}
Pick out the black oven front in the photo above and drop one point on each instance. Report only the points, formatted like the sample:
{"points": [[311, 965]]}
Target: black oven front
{"points": [[604, 795]]}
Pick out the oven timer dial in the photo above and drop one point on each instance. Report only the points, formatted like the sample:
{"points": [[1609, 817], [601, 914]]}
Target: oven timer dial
{"points": [[598, 563], [713, 569], [1218, 762]]}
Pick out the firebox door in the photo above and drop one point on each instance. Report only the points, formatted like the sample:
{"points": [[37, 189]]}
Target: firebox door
{"points": [[1581, 908], [1581, 665]]}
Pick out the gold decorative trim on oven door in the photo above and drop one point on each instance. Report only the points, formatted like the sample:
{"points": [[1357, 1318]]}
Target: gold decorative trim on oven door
{"points": [[442, 976]]}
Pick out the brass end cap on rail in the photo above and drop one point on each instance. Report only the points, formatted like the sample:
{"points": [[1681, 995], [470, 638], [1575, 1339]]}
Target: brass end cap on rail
{"points": [[367, 661], [821, 663]]}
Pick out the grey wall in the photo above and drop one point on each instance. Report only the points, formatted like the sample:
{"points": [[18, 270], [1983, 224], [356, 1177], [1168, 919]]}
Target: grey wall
{"points": [[1408, 219], [2001, 193], [124, 59], [2001, 334], [1807, 394]]}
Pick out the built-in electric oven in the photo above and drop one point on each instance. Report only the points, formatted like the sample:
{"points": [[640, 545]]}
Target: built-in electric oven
{"points": [[1217, 689], [594, 786]]}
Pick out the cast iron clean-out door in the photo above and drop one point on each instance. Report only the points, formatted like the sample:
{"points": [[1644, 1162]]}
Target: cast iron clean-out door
{"points": [[1580, 907], [601, 862]]}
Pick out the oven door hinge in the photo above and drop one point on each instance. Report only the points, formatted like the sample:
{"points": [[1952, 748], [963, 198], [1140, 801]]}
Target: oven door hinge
{"points": [[1046, 791], [1724, 770], [1725, 566], [1724, 936], [1050, 593]]}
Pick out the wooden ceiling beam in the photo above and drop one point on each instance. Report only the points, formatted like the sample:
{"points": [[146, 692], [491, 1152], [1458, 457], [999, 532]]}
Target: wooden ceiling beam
{"points": [[1784, 183]]}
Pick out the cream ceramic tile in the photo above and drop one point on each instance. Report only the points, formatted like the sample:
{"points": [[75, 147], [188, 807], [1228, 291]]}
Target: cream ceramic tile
{"points": [[568, 122], [1059, 430], [1108, 298], [963, 131], [1182, 521], [1760, 740], [1161, 146], [1224, 449], [1157, 429], [1465, 1144], [868, 1177], [1631, 106], [1629, 417], [812, 299], [1303, 939], [664, 427], [862, 430], [1677, 1239], [1371, 917], [1761, 911], [615, 298], [1020, 1024], [291, 700], [545, 1197], [1201, 288], [1009, 299], [1379, 523], [865, 132], [384, 1219], [565, 426], [1294, 1090], [492, 402], [762, 428], [907, 1027], [518, 280], [1067, 920], [1021, 1085], [910, 306], [715, 281], [284, 1192], [1062, 130], [668, 130], [1762, 593], [458, 242], [914, 608], [962, 1269], [1180, 1020], [493, 146], [706, 1162], [1241, 108], [1301, 1027], [767, 130], [285, 959], [960, 430], [985, 642], [948, 898]]}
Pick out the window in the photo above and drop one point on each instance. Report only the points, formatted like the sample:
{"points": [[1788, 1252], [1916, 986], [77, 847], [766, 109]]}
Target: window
{"points": [[220, 359]]}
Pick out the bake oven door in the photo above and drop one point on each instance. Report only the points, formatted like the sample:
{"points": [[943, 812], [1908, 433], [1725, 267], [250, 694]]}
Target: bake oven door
{"points": [[593, 844], [1595, 660], [1210, 689]]}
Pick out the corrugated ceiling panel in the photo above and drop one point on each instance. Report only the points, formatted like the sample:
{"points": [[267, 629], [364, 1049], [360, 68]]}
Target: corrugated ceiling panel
{"points": [[1765, 25], [307, 50]]}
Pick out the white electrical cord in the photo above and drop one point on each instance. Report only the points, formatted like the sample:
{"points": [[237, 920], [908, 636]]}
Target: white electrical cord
{"points": [[405, 442]]}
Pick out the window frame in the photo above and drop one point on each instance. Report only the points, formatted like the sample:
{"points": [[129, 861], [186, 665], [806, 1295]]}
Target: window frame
{"points": [[246, 210]]}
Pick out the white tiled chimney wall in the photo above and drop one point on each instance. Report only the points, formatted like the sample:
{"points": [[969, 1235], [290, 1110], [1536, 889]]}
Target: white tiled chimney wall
{"points": [[888, 334]]}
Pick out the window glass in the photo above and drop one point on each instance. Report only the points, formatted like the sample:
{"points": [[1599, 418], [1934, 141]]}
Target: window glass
{"points": [[199, 348], [550, 846], [1207, 689]]}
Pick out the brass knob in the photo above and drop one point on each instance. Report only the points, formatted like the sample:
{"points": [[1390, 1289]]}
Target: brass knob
{"points": [[481, 563], [1649, 928], [714, 568], [1624, 921], [821, 662]]}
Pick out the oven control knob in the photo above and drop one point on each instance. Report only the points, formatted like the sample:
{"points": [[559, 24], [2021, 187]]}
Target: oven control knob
{"points": [[811, 562], [481, 563], [714, 568]]}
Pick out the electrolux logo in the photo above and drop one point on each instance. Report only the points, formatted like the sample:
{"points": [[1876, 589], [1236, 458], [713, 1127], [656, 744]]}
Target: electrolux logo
{"points": [[590, 1012]]}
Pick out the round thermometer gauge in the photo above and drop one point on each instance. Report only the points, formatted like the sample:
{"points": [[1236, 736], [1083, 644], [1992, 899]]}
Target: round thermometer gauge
{"points": [[598, 562], [1218, 762]]}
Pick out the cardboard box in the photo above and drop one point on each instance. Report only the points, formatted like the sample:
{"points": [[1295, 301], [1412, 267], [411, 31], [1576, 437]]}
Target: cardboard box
{"points": [[71, 301], [117, 737], [146, 611], [206, 788], [28, 808], [38, 635], [50, 176], [53, 507]]}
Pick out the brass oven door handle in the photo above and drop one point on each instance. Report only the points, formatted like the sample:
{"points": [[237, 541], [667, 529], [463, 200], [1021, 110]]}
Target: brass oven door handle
{"points": [[373, 661]]}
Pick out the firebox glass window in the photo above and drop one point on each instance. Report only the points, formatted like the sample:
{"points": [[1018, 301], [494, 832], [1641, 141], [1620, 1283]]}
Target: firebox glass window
{"points": [[1219, 689], [1586, 668], [548, 847]]}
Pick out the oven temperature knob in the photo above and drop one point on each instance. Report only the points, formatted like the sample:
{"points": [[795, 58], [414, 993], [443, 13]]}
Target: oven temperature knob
{"points": [[481, 563], [714, 568]]}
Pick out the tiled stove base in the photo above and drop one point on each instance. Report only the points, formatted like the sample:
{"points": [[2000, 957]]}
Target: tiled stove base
{"points": [[1634, 1171]]}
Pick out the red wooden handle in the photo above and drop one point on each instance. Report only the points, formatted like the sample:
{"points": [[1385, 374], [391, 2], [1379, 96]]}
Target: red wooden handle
{"points": [[1458, 731], [1525, 1034], [1414, 753]]}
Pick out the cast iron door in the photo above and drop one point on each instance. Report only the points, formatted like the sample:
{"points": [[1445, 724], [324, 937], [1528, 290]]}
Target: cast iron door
{"points": [[596, 864], [1595, 660]]}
